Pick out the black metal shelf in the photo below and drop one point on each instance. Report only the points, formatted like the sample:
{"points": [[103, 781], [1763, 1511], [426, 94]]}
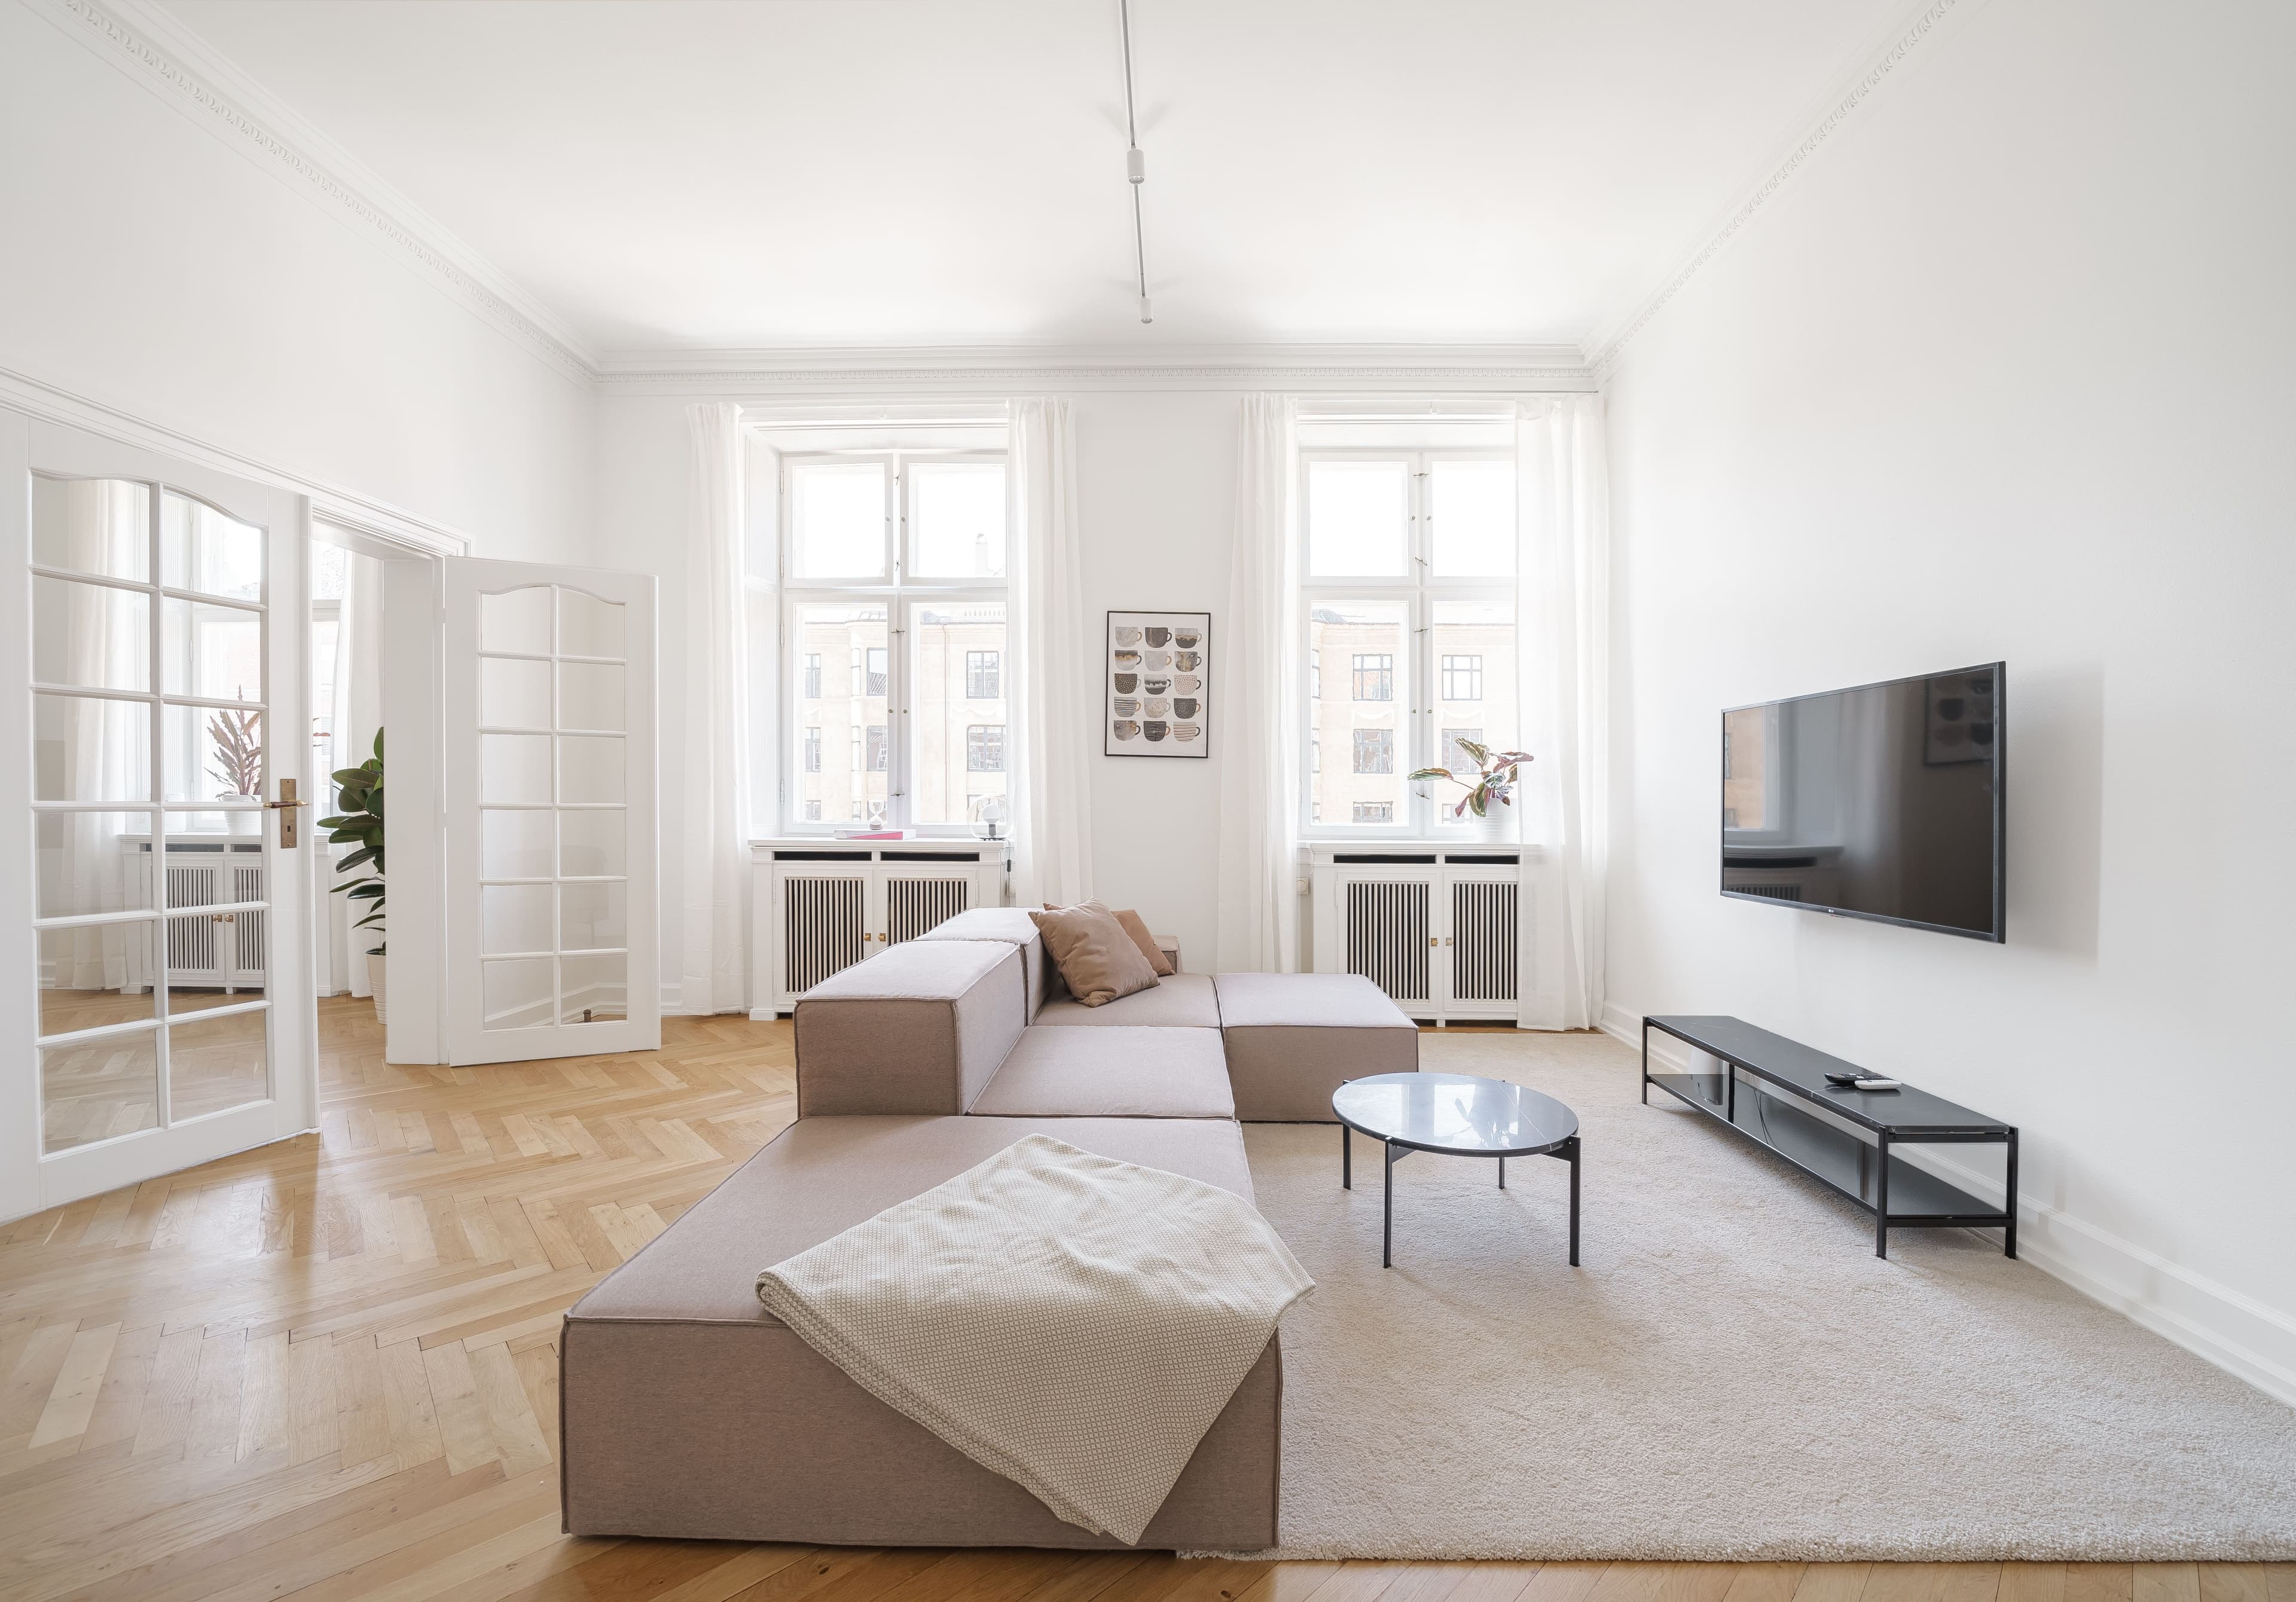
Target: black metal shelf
{"points": [[1782, 1101]]}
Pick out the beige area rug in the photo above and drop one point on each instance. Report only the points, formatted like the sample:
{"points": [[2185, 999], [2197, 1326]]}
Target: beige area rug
{"points": [[1733, 1374]]}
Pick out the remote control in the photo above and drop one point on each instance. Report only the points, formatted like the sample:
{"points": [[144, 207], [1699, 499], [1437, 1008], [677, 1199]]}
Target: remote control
{"points": [[1844, 1079], [1877, 1084]]}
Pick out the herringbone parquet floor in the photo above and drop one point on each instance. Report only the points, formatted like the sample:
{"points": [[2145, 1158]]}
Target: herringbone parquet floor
{"points": [[327, 1370]]}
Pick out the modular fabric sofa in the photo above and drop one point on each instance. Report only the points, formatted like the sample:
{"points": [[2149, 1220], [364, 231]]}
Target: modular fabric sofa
{"points": [[687, 1409]]}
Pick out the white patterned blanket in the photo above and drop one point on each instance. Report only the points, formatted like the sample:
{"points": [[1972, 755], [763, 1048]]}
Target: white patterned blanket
{"points": [[1073, 1322]]}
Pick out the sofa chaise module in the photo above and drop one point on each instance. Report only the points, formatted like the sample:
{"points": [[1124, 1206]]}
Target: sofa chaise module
{"points": [[687, 1409]]}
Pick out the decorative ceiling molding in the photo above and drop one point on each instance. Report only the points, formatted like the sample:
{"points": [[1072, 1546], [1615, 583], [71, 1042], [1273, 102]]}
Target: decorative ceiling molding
{"points": [[1915, 32], [393, 222], [1002, 370]]}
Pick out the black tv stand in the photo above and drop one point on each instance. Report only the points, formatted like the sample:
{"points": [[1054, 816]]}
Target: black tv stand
{"points": [[1768, 1090]]}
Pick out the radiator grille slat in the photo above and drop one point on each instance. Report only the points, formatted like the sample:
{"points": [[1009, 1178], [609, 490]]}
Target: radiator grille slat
{"points": [[1483, 940], [823, 923], [917, 906], [1387, 936]]}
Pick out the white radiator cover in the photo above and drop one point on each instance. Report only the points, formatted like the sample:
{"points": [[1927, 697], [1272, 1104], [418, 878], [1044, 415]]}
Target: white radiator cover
{"points": [[821, 905], [1443, 929]]}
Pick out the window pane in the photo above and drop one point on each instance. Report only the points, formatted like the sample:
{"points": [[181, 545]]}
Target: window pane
{"points": [[593, 916], [515, 844], [959, 710], [218, 1063], [837, 520], [591, 768], [1472, 507], [588, 626], [215, 652], [202, 549], [1475, 691], [514, 917], [833, 768], [513, 693], [957, 519], [1361, 652], [1358, 518], [92, 525], [516, 620], [99, 1089], [87, 750], [212, 751], [592, 843], [92, 636], [514, 768], [87, 866], [92, 975], [595, 988]]}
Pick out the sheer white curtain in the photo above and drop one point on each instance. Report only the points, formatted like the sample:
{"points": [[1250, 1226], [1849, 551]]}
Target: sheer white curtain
{"points": [[1562, 620], [1059, 707], [1255, 662], [357, 715], [715, 815], [106, 751]]}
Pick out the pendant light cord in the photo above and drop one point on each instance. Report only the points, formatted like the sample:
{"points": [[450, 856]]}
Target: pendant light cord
{"points": [[1136, 165]]}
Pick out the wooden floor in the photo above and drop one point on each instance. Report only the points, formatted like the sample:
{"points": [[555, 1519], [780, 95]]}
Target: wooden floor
{"points": [[328, 1369]]}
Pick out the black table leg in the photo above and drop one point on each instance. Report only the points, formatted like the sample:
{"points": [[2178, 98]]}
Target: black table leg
{"points": [[1574, 1201], [2009, 1234], [1347, 1158], [1881, 1198], [1502, 1173], [1387, 1223]]}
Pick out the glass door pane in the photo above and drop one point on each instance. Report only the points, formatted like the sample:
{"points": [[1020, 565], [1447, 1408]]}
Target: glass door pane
{"points": [[554, 819]]}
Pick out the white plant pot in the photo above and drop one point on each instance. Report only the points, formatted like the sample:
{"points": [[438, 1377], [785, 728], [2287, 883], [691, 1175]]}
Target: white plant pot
{"points": [[242, 823], [377, 968], [1494, 826]]}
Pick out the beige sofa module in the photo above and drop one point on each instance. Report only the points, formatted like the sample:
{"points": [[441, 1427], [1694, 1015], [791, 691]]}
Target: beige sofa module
{"points": [[1014, 928], [688, 1411], [1116, 1072], [919, 1028], [1181, 1001], [1293, 1039]]}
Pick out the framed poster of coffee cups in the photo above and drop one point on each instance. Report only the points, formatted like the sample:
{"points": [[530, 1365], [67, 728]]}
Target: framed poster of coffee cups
{"points": [[1158, 675]]}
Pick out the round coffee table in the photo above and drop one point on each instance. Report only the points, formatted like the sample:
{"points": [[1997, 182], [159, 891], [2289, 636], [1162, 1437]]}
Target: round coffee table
{"points": [[1459, 1115]]}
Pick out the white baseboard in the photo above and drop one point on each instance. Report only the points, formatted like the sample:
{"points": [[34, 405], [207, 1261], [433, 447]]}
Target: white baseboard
{"points": [[2215, 1322]]}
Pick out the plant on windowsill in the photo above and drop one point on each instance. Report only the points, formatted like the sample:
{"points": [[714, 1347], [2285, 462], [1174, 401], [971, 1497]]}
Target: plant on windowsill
{"points": [[359, 794], [236, 739], [1496, 775]]}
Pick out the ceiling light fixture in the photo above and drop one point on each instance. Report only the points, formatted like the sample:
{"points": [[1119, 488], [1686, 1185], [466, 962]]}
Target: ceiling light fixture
{"points": [[1136, 165]]}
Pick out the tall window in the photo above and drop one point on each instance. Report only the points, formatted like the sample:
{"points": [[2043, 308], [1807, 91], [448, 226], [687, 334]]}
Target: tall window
{"points": [[894, 618], [1409, 592]]}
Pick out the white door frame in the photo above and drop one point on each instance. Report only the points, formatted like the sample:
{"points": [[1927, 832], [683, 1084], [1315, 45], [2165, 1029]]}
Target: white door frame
{"points": [[31, 1180]]}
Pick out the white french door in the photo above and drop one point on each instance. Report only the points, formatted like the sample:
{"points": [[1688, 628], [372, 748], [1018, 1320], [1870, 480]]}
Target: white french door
{"points": [[156, 927], [547, 776]]}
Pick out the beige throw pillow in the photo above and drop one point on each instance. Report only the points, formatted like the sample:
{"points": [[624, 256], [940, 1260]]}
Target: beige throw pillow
{"points": [[1096, 957], [1137, 927]]}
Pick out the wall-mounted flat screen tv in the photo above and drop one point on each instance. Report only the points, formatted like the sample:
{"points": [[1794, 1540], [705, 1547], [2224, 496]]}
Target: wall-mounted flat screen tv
{"points": [[1884, 802]]}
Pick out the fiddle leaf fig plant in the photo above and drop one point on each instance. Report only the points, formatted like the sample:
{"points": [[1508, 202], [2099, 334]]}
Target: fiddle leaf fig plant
{"points": [[1493, 784], [360, 822]]}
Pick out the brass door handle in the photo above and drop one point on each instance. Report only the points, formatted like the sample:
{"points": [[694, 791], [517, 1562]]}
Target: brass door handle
{"points": [[286, 803]]}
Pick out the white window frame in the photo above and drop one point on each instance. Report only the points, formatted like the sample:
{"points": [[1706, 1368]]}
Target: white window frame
{"points": [[1417, 592], [897, 592]]}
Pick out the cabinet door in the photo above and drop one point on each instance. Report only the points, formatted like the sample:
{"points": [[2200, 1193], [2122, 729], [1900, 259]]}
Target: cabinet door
{"points": [[824, 927], [1388, 934], [1479, 947]]}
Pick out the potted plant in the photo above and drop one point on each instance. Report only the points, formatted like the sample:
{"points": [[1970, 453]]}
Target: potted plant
{"points": [[238, 765], [359, 795], [1497, 774]]}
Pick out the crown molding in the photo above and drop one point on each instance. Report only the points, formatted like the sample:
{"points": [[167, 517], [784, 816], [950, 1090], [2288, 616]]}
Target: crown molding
{"points": [[36, 396], [1918, 27], [1478, 369], [157, 51]]}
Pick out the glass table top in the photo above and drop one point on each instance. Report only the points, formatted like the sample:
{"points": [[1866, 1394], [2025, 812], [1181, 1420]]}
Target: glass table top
{"points": [[1454, 1112]]}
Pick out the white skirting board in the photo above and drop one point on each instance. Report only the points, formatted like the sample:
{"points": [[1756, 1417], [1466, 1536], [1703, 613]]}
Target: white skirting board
{"points": [[2235, 1332]]}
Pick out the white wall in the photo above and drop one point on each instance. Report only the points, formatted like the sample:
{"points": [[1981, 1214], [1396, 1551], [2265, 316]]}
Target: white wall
{"points": [[1156, 471], [2005, 373], [155, 267]]}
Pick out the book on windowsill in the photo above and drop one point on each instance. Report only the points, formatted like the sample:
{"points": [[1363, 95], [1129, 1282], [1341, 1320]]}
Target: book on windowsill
{"points": [[872, 834]]}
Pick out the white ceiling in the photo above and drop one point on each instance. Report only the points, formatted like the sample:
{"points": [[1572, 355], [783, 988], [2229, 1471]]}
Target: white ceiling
{"points": [[756, 173]]}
